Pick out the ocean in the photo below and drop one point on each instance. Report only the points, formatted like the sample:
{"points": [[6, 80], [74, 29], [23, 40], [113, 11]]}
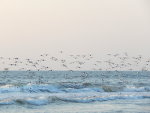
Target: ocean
{"points": [[74, 92]]}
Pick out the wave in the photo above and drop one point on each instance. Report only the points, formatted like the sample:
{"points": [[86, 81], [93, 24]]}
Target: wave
{"points": [[49, 98], [68, 88], [42, 94], [29, 88]]}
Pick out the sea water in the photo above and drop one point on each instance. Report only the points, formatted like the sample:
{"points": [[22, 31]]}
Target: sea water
{"points": [[75, 92]]}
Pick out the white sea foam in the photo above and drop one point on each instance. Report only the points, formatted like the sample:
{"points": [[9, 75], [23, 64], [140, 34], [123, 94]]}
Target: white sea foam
{"points": [[136, 89], [80, 97], [36, 88], [21, 91]]}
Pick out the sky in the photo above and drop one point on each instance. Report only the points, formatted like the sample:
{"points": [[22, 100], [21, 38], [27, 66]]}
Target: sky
{"points": [[32, 27]]}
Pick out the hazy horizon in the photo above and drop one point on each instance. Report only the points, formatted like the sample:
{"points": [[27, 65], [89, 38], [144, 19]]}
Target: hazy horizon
{"points": [[29, 28]]}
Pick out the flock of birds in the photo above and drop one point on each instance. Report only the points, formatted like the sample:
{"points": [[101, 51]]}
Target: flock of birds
{"points": [[46, 62]]}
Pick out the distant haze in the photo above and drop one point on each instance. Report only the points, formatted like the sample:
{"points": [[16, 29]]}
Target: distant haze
{"points": [[31, 27]]}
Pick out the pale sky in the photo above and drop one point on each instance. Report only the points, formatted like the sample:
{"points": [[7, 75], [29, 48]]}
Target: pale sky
{"points": [[32, 27]]}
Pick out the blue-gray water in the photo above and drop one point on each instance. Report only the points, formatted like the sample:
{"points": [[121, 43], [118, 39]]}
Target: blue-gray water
{"points": [[74, 91]]}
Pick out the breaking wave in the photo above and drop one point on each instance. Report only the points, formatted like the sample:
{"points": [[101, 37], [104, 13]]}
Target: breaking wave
{"points": [[50, 88], [42, 94]]}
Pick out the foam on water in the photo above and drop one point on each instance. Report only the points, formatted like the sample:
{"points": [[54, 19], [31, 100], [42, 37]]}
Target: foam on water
{"points": [[37, 88], [137, 89], [74, 89], [48, 98]]}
